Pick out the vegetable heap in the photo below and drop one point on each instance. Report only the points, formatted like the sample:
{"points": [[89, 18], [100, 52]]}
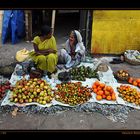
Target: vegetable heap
{"points": [[129, 94], [72, 93], [82, 72]]}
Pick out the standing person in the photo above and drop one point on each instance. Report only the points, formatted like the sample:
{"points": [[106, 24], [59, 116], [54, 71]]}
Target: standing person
{"points": [[74, 51], [45, 51]]}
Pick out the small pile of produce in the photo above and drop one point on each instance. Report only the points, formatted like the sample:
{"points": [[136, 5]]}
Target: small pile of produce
{"points": [[72, 93], [132, 54], [82, 72], [132, 57], [103, 91], [32, 90], [4, 87], [129, 94], [122, 75], [134, 81]]}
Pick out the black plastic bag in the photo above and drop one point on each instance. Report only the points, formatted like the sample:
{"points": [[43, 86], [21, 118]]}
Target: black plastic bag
{"points": [[64, 76]]}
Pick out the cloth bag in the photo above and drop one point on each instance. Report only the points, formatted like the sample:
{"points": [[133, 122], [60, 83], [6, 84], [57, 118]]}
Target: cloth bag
{"points": [[22, 55]]}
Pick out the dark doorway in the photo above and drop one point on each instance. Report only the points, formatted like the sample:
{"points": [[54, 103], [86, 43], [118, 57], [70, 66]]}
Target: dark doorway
{"points": [[66, 20], [40, 17]]}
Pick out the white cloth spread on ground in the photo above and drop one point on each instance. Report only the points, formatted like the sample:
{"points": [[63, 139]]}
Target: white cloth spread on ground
{"points": [[107, 78]]}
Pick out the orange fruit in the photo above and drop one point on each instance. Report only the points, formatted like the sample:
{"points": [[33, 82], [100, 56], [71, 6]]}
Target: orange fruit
{"points": [[97, 83], [94, 86], [135, 83], [99, 97], [111, 91], [107, 93], [95, 90], [128, 100], [130, 80], [100, 92], [113, 97], [108, 88], [138, 80], [102, 85], [99, 88], [103, 96], [124, 88], [108, 97]]}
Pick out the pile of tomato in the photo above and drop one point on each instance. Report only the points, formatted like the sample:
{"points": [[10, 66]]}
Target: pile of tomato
{"points": [[4, 87], [72, 93], [134, 81]]}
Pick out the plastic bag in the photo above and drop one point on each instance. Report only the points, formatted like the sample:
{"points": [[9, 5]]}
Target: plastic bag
{"points": [[22, 55]]}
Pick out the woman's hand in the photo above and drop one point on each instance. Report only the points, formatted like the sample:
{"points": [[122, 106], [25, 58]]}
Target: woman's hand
{"points": [[37, 53], [43, 52], [51, 51]]}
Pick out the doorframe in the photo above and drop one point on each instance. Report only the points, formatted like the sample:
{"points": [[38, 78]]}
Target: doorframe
{"points": [[28, 24], [85, 28], [82, 24]]}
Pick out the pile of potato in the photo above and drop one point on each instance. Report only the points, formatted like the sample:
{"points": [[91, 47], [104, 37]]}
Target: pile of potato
{"points": [[122, 75]]}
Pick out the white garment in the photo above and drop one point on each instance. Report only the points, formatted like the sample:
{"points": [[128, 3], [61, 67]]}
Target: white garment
{"points": [[64, 54], [79, 46]]}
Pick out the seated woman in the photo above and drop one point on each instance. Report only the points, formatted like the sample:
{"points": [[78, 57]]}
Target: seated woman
{"points": [[74, 51], [45, 51]]}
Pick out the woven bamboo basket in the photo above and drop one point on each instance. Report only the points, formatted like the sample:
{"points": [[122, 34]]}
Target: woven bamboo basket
{"points": [[121, 78], [131, 61]]}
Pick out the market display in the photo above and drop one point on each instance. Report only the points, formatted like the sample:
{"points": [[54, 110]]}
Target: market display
{"points": [[129, 94], [103, 91], [72, 93], [32, 90], [4, 87], [82, 72]]}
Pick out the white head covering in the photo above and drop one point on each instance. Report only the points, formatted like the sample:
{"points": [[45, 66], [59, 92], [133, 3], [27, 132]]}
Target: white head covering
{"points": [[80, 45]]}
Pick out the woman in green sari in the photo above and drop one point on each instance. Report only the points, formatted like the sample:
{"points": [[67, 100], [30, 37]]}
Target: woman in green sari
{"points": [[45, 51]]}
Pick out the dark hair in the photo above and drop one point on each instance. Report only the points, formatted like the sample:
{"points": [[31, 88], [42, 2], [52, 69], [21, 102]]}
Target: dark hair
{"points": [[45, 30]]}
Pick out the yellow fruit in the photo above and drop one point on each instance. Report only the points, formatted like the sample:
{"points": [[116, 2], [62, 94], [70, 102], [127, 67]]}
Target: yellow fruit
{"points": [[128, 100]]}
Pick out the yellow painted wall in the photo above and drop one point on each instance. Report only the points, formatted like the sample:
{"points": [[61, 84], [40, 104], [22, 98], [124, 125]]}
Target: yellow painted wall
{"points": [[114, 31]]}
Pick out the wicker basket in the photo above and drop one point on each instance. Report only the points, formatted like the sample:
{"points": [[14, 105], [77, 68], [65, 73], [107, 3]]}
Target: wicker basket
{"points": [[121, 78], [130, 61]]}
